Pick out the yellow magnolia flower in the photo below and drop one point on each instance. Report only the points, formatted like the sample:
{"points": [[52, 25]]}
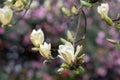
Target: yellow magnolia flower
{"points": [[68, 54], [5, 15], [34, 4], [47, 5], [37, 37], [45, 50], [103, 10], [19, 5]]}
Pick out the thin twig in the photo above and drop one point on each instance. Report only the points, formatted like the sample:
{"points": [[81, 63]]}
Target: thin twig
{"points": [[85, 21], [78, 24], [117, 19]]}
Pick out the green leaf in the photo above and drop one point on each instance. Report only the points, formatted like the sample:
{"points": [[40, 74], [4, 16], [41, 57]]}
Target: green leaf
{"points": [[86, 3], [117, 25], [118, 46], [108, 20], [81, 69]]}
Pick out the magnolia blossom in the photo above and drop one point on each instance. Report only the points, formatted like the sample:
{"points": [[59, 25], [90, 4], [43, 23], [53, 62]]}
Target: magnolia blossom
{"points": [[68, 54], [34, 4], [45, 50], [37, 37], [5, 15], [19, 5], [103, 10]]}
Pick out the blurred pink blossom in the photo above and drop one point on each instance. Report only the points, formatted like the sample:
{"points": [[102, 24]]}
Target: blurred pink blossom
{"points": [[47, 77], [2, 30], [100, 38], [35, 64], [101, 71], [39, 13]]}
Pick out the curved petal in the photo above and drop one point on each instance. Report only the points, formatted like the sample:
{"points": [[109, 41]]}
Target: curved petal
{"points": [[5, 15], [37, 37], [67, 52], [78, 49], [45, 50]]}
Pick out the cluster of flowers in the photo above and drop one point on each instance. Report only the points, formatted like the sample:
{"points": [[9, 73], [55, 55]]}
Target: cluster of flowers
{"points": [[72, 58], [6, 13], [67, 51]]}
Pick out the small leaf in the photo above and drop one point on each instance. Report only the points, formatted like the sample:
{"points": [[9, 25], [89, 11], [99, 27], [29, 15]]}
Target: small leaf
{"points": [[65, 66], [64, 41], [60, 70], [81, 69], [13, 1], [86, 3], [118, 46], [117, 25], [108, 20]]}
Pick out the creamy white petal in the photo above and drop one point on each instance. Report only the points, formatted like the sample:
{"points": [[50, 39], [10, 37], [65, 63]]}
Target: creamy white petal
{"points": [[37, 37], [45, 51], [67, 52], [5, 15], [103, 9], [78, 49], [64, 55]]}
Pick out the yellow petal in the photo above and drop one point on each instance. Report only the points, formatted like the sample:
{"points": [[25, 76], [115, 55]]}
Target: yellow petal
{"points": [[5, 15]]}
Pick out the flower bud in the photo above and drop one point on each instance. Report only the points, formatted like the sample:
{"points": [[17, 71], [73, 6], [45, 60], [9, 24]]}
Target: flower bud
{"points": [[37, 37], [66, 11], [19, 5], [45, 50], [74, 10], [69, 35], [68, 54]]}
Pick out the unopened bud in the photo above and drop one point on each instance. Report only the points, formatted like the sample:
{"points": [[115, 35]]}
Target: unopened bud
{"points": [[112, 41], [69, 35], [74, 10], [66, 11]]}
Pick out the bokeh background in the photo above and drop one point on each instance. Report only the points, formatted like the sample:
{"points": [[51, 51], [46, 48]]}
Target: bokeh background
{"points": [[19, 62]]}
